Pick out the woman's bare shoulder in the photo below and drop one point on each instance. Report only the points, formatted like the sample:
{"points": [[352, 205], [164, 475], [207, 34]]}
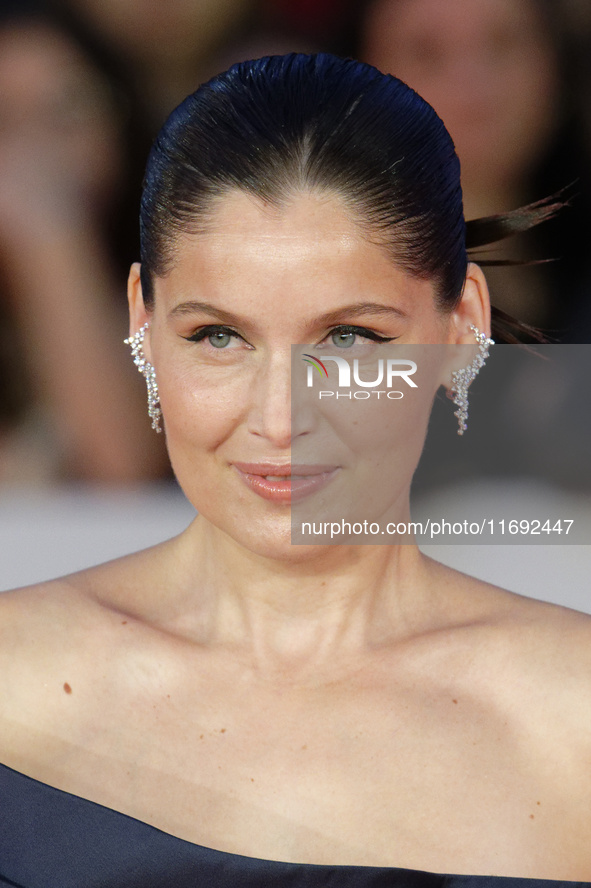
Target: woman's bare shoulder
{"points": [[492, 604], [527, 650], [110, 582], [62, 642], [67, 613]]}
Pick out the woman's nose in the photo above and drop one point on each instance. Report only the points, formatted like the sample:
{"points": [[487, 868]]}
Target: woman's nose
{"points": [[280, 410]]}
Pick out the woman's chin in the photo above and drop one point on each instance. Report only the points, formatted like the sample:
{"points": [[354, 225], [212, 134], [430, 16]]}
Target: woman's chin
{"points": [[266, 539], [277, 545]]}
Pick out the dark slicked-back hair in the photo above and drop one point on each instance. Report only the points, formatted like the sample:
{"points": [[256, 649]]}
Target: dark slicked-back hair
{"points": [[285, 124], [281, 125]]}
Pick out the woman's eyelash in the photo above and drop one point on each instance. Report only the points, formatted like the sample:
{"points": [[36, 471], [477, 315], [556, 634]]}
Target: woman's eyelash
{"points": [[360, 331], [210, 330]]}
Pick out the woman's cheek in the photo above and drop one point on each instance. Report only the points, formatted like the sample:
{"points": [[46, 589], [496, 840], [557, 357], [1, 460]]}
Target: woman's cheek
{"points": [[202, 407]]}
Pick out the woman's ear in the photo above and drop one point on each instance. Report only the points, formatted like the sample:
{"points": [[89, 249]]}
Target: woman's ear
{"points": [[138, 314], [473, 308]]}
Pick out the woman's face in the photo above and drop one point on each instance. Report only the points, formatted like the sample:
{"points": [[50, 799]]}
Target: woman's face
{"points": [[486, 66], [157, 33], [57, 118], [225, 321]]}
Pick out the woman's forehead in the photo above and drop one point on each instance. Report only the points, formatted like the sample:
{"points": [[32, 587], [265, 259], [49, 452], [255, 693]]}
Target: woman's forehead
{"points": [[299, 214], [306, 258], [309, 240], [309, 233]]}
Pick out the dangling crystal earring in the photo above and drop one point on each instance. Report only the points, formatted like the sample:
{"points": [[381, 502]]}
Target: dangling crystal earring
{"points": [[461, 379], [147, 370]]}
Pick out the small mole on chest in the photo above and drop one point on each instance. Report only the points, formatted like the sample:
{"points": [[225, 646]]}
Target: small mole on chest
{"points": [[67, 688]]}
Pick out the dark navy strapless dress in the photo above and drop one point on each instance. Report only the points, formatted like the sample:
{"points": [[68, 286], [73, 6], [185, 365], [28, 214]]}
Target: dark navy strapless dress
{"points": [[52, 839]]}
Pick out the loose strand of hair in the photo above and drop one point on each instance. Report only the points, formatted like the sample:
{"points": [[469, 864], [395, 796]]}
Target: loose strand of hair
{"points": [[491, 229], [507, 329]]}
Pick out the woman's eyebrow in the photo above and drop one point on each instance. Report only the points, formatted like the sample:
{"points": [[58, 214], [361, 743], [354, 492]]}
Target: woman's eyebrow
{"points": [[360, 309], [205, 308], [354, 310]]}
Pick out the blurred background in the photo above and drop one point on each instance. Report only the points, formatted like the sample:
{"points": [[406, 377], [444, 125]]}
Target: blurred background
{"points": [[85, 86]]}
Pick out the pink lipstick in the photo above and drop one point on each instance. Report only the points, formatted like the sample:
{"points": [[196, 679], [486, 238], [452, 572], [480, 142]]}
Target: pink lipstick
{"points": [[285, 483]]}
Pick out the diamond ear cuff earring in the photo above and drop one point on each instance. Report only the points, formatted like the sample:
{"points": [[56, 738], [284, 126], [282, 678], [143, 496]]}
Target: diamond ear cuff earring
{"points": [[461, 379], [147, 370]]}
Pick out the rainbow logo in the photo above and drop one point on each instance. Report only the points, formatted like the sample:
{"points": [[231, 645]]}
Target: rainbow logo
{"points": [[316, 363]]}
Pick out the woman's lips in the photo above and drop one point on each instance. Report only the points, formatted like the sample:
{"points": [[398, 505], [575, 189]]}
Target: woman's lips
{"points": [[286, 483]]}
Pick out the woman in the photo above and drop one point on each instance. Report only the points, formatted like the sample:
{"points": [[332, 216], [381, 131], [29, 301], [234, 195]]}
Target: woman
{"points": [[165, 48], [300, 708], [63, 173], [508, 80]]}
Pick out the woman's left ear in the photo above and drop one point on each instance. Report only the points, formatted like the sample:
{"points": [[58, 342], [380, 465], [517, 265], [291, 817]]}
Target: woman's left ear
{"points": [[137, 310], [468, 319], [473, 308]]}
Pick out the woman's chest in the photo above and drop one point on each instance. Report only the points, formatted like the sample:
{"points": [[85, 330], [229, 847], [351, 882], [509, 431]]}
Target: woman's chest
{"points": [[346, 777]]}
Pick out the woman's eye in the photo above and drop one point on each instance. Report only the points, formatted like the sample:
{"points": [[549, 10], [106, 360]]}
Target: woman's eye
{"points": [[217, 336], [343, 340], [347, 336], [219, 340]]}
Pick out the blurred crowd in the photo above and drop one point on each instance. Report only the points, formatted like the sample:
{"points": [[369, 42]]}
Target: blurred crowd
{"points": [[84, 87]]}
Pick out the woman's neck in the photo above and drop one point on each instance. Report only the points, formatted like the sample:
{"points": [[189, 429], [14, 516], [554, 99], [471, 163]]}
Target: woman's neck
{"points": [[301, 616]]}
